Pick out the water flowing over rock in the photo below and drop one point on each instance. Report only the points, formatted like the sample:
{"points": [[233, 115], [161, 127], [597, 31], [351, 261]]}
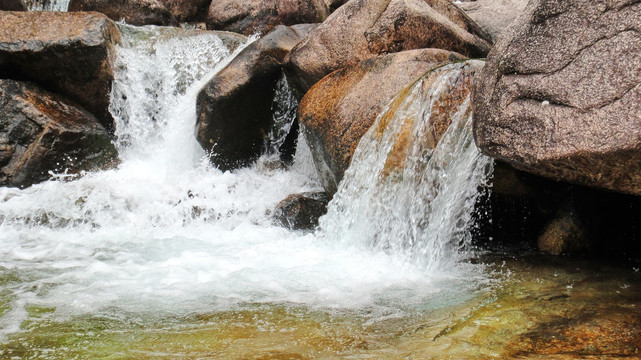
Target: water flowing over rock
{"points": [[301, 211], [235, 108], [12, 5], [134, 12], [362, 29], [560, 95], [250, 16], [493, 16], [187, 10], [41, 132], [338, 110], [67, 53], [433, 193], [47, 5]]}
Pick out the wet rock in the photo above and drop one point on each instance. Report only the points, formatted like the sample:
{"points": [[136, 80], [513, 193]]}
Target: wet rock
{"points": [[564, 234], [68, 53], [12, 5], [301, 211], [560, 95], [338, 110], [187, 10], [493, 16], [250, 17], [362, 29], [235, 108], [134, 12], [41, 132]]}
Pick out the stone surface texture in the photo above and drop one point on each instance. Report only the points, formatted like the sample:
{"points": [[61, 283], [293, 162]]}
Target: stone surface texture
{"points": [[42, 132], [493, 16], [187, 10], [561, 94], [12, 5], [134, 12], [67, 53], [301, 211], [361, 29], [339, 109]]}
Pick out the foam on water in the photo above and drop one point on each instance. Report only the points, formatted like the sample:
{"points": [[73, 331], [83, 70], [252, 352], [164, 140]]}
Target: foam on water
{"points": [[167, 234], [47, 5]]}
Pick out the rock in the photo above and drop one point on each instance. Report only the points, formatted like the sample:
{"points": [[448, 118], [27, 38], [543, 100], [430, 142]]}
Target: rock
{"points": [[560, 95], [249, 17], [235, 108], [12, 5], [332, 5], [67, 53], [339, 109], [564, 234], [362, 29], [187, 10], [301, 211], [493, 16], [134, 12], [42, 132]]}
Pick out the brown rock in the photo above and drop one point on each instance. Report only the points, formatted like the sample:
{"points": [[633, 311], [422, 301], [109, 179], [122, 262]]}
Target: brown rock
{"points": [[560, 95], [42, 132], [301, 211], [235, 108], [564, 234], [362, 29], [249, 17], [493, 16], [68, 53], [187, 10], [339, 109], [134, 12], [13, 5]]}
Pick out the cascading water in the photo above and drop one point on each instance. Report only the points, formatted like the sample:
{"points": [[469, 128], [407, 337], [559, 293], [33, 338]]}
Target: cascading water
{"points": [[165, 234], [47, 5]]}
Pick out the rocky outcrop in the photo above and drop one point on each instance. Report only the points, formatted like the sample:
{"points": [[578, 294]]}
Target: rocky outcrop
{"points": [[493, 16], [250, 17], [187, 10], [560, 95], [301, 211], [42, 132], [67, 53], [134, 12], [12, 5], [362, 29], [338, 110], [235, 108]]}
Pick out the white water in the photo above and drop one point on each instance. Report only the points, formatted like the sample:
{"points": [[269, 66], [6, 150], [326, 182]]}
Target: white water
{"points": [[166, 234], [47, 5]]}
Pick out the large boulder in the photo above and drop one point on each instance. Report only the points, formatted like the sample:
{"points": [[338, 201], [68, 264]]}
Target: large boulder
{"points": [[134, 12], [68, 53], [493, 16], [13, 5], [42, 132], [362, 29], [187, 10], [561, 94], [235, 108], [250, 16], [339, 109]]}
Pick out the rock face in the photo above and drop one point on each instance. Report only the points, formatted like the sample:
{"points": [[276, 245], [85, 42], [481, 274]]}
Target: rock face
{"points": [[301, 211], [493, 16], [12, 5], [187, 10], [362, 29], [560, 95], [249, 17], [67, 53], [42, 132], [134, 12], [338, 110], [235, 108]]}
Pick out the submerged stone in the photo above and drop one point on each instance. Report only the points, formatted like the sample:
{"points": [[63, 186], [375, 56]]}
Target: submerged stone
{"points": [[42, 132], [301, 211]]}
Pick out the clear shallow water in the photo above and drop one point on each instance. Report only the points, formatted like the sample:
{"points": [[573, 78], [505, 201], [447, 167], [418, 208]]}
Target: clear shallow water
{"points": [[165, 238]]}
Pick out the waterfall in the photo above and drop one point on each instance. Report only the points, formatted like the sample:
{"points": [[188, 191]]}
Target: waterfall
{"points": [[401, 196], [47, 5], [165, 234]]}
